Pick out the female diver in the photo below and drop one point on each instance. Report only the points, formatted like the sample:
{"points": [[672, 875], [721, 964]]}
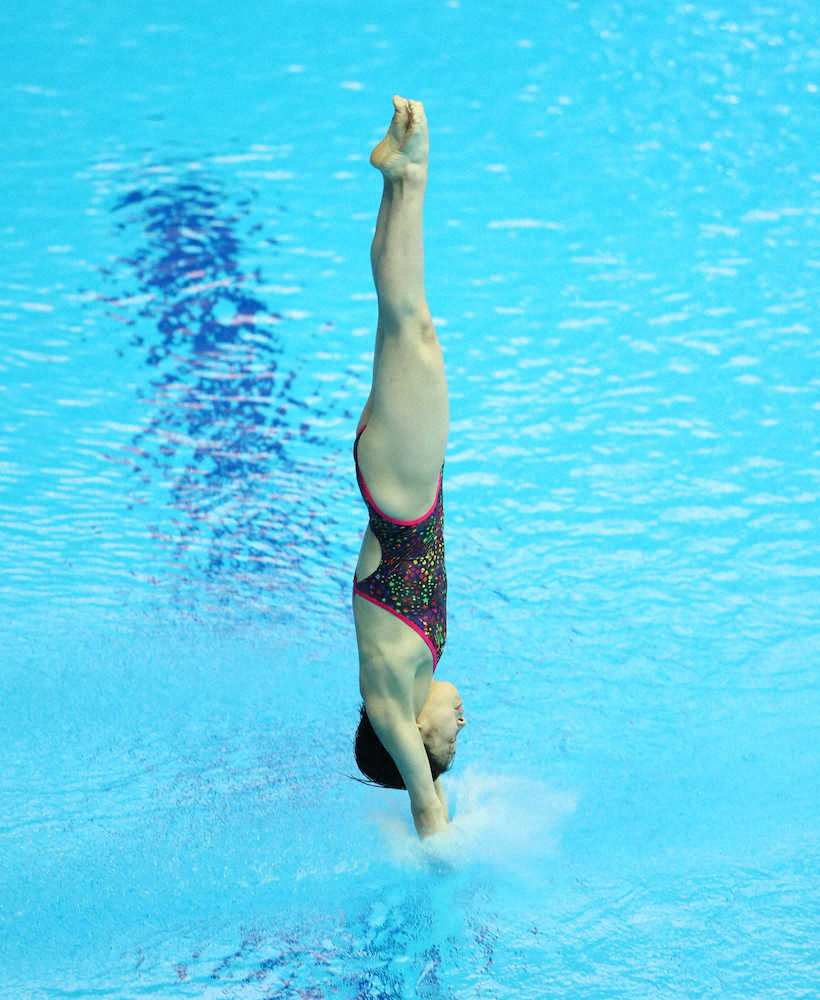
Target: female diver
{"points": [[409, 721]]}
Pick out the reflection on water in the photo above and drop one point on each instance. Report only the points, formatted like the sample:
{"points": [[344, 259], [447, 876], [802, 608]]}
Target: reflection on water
{"points": [[231, 435]]}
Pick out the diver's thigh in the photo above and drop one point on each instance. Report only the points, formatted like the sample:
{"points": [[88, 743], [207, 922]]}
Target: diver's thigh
{"points": [[410, 416]]}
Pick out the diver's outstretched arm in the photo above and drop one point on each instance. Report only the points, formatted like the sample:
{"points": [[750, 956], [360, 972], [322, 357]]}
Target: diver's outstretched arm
{"points": [[399, 733], [441, 798]]}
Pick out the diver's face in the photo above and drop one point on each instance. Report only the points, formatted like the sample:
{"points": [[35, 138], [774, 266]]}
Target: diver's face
{"points": [[441, 720]]}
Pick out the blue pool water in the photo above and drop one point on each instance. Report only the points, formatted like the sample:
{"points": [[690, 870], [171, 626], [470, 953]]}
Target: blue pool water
{"points": [[623, 260]]}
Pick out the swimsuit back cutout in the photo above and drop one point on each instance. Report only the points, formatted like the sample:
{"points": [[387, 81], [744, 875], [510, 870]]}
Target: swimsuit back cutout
{"points": [[410, 581]]}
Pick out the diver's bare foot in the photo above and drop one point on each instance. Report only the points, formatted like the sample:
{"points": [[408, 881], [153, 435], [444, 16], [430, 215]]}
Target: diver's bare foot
{"points": [[402, 153]]}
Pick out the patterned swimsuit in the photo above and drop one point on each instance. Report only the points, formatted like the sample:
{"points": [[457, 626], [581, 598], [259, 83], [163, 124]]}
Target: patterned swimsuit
{"points": [[410, 581]]}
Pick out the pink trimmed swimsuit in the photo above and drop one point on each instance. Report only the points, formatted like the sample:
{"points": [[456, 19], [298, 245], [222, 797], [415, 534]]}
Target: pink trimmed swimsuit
{"points": [[410, 581]]}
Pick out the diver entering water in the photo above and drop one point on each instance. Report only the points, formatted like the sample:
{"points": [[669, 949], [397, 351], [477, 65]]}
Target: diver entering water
{"points": [[409, 721]]}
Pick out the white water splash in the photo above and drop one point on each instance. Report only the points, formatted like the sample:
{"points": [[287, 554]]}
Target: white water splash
{"points": [[502, 821]]}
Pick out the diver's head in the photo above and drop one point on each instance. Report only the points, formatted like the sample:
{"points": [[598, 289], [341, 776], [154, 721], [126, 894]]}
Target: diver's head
{"points": [[439, 722]]}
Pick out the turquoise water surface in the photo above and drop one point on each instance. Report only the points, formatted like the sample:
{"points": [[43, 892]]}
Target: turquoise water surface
{"points": [[623, 261]]}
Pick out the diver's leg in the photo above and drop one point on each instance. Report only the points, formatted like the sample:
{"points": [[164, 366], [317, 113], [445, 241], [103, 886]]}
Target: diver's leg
{"points": [[407, 432], [397, 253], [376, 254]]}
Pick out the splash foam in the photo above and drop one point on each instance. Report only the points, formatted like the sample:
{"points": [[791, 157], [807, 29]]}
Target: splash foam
{"points": [[498, 820]]}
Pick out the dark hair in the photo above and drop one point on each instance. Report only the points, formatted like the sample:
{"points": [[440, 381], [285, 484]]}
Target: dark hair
{"points": [[376, 763]]}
